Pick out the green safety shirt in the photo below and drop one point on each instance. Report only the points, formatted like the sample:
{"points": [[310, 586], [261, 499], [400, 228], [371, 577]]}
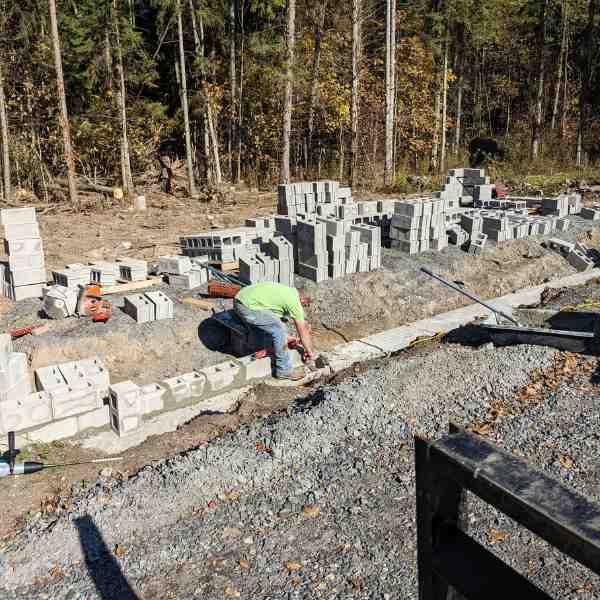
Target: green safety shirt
{"points": [[281, 299]]}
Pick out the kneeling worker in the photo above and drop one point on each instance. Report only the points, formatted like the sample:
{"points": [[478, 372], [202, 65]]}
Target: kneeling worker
{"points": [[263, 305]]}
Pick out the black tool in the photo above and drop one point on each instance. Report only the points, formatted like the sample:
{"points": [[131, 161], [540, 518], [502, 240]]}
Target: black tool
{"points": [[28, 467]]}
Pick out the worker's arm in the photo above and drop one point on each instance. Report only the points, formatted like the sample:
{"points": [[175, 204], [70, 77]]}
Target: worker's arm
{"points": [[303, 330]]}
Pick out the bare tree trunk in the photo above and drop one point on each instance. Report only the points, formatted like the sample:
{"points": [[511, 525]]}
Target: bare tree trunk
{"points": [[240, 93], [199, 47], [211, 143], [126, 176], [314, 86], [4, 137], [390, 90], [435, 148], [184, 105], [586, 87], [538, 111], [233, 87], [559, 68], [565, 105], [64, 115], [444, 111], [355, 109], [459, 91], [284, 172]]}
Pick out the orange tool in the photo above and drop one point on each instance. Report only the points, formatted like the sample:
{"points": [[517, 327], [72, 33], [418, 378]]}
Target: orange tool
{"points": [[91, 304]]}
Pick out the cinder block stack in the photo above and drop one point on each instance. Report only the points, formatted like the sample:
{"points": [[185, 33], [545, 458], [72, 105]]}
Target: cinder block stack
{"points": [[419, 225], [132, 269], [104, 273], [591, 212], [25, 272], [311, 242], [558, 207], [182, 272], [15, 384], [73, 275]]}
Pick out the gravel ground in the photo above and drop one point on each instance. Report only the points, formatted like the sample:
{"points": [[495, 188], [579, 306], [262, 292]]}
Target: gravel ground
{"points": [[318, 502]]}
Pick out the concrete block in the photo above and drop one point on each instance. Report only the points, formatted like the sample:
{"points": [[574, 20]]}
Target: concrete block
{"points": [[163, 305], [139, 308], [49, 379], [74, 401], [174, 265], [21, 231], [6, 348], [438, 244], [23, 247], [222, 376], [131, 269], [187, 387], [94, 419], [26, 262], [57, 430], [189, 281], [255, 368], [17, 216], [59, 302], [16, 368], [23, 292], [92, 371], [105, 273], [125, 407], [27, 277], [152, 398], [579, 260], [592, 214], [72, 278], [28, 411]]}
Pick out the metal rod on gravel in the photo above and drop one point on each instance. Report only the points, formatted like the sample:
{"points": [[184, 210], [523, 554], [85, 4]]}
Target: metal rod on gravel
{"points": [[469, 295]]}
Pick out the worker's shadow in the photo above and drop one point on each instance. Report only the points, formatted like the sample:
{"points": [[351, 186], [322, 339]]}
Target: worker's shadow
{"points": [[101, 564]]}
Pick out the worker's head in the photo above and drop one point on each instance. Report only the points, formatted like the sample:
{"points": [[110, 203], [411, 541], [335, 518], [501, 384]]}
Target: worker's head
{"points": [[304, 299]]}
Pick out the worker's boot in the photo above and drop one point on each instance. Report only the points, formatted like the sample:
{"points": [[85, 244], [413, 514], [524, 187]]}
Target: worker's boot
{"points": [[293, 375]]}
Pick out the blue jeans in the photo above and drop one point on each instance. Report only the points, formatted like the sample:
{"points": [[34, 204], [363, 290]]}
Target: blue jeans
{"points": [[267, 322]]}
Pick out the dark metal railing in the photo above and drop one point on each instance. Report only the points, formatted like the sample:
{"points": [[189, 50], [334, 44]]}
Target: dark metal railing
{"points": [[448, 559]]}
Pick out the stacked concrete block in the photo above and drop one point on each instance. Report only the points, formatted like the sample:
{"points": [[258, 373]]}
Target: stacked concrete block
{"points": [[26, 412], [575, 204], [59, 302], [174, 265], [15, 384], [25, 272], [558, 206], [76, 375], [131, 269], [562, 224], [125, 408], [311, 242], [559, 245], [457, 235], [419, 225], [73, 275], [477, 243], [104, 273], [185, 389], [371, 236], [196, 277], [224, 245], [592, 213], [472, 223]]}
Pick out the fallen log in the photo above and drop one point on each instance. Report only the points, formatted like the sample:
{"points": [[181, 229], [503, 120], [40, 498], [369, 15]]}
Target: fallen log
{"points": [[87, 186]]}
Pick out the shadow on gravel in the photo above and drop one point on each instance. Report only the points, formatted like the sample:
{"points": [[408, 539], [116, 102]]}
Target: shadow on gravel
{"points": [[102, 566]]}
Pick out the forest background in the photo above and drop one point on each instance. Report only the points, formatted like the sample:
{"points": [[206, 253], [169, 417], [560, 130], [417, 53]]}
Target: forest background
{"points": [[266, 91]]}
